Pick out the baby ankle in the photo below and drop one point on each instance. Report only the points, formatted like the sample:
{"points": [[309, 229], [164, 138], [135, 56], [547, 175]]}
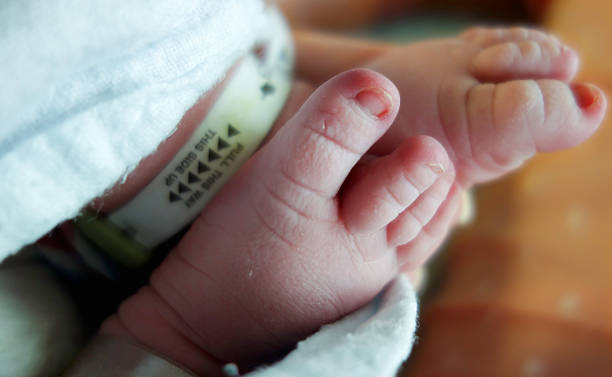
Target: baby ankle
{"points": [[143, 320]]}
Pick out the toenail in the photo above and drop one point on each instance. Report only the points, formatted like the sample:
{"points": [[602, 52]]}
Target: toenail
{"points": [[585, 94], [375, 101]]}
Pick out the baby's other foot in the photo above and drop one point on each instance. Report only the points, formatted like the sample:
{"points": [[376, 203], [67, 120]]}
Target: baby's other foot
{"points": [[492, 97], [306, 232]]}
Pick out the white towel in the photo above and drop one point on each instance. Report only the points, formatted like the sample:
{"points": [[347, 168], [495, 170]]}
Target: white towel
{"points": [[88, 88]]}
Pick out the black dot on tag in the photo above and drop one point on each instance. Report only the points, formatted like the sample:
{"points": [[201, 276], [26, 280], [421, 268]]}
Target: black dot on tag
{"points": [[267, 89]]}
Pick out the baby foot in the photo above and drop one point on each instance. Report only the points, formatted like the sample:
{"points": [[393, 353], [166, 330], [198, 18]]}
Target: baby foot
{"points": [[492, 97], [300, 236]]}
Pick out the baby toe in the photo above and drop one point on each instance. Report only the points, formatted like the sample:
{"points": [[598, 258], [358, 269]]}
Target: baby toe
{"points": [[410, 223], [413, 254], [386, 188], [485, 37], [527, 59]]}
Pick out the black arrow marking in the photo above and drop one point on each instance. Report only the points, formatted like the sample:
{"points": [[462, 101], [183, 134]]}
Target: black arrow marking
{"points": [[183, 188], [202, 167], [231, 131], [174, 197], [191, 178], [212, 155], [221, 144]]}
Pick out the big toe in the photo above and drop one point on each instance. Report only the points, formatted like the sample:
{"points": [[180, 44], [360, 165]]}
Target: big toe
{"points": [[311, 156]]}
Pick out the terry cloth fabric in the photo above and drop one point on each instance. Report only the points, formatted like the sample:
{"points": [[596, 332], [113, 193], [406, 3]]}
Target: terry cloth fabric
{"points": [[91, 87]]}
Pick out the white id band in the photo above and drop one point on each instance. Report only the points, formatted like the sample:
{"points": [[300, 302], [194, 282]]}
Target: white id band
{"points": [[231, 132]]}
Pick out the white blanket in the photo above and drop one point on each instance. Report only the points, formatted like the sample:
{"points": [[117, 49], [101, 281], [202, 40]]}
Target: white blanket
{"points": [[88, 88]]}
